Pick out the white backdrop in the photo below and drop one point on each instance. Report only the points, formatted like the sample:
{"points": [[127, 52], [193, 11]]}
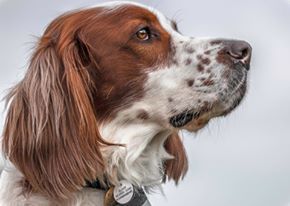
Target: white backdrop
{"points": [[242, 160]]}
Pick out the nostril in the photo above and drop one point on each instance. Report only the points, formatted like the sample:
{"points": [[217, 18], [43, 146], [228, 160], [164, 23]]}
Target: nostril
{"points": [[238, 50], [245, 53]]}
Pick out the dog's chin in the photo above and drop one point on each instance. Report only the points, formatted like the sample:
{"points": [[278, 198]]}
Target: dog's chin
{"points": [[195, 119]]}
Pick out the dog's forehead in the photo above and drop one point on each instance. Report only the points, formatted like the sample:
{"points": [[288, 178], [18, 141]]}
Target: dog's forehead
{"points": [[141, 9]]}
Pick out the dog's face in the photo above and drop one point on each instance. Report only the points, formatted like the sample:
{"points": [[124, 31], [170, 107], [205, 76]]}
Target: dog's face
{"points": [[120, 73], [153, 73]]}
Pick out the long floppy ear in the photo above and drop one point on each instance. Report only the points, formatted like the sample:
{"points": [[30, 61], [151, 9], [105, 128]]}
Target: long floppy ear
{"points": [[175, 168], [51, 133]]}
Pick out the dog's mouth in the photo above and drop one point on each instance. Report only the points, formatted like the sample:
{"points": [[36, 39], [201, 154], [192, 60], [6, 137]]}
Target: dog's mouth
{"points": [[226, 101], [192, 120], [184, 118]]}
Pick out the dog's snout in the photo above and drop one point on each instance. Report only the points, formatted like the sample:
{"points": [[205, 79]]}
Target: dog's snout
{"points": [[238, 50]]}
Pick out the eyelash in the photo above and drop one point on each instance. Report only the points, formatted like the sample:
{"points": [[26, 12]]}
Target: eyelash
{"points": [[174, 26]]}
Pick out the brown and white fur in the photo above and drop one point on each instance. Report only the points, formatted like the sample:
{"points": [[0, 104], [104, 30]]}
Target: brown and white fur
{"points": [[107, 90]]}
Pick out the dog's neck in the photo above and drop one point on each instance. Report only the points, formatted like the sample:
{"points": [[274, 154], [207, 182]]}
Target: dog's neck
{"points": [[141, 159]]}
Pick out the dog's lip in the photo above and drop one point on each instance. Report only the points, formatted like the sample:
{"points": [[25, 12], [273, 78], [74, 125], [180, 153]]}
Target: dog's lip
{"points": [[182, 119], [246, 64], [199, 120], [193, 120]]}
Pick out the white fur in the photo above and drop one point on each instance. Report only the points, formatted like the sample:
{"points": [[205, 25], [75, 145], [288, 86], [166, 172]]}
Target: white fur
{"points": [[140, 161]]}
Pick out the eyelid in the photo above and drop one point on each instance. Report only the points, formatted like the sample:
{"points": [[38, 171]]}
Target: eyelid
{"points": [[140, 27]]}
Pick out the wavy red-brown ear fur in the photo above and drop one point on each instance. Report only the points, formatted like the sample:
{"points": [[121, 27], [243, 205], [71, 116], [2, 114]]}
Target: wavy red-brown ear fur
{"points": [[51, 133], [175, 168]]}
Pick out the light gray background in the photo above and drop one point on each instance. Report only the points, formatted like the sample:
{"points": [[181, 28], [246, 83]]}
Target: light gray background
{"points": [[242, 160]]}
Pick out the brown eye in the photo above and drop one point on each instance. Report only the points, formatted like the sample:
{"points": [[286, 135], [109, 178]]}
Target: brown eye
{"points": [[143, 34]]}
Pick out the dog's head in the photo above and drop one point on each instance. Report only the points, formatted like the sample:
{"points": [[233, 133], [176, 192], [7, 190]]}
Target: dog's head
{"points": [[118, 63]]}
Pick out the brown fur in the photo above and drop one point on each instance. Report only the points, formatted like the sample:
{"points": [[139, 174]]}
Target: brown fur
{"points": [[177, 167], [51, 132], [82, 71]]}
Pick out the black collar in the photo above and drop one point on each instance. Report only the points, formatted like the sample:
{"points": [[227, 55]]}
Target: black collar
{"points": [[97, 185]]}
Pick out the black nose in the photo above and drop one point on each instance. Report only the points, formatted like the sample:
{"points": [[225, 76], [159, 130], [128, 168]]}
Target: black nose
{"points": [[238, 50]]}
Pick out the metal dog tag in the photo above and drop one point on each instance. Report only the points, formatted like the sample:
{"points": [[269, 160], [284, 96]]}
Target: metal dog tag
{"points": [[125, 194]]}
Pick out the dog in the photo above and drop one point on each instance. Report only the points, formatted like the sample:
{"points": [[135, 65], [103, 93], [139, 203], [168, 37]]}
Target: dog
{"points": [[107, 91]]}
